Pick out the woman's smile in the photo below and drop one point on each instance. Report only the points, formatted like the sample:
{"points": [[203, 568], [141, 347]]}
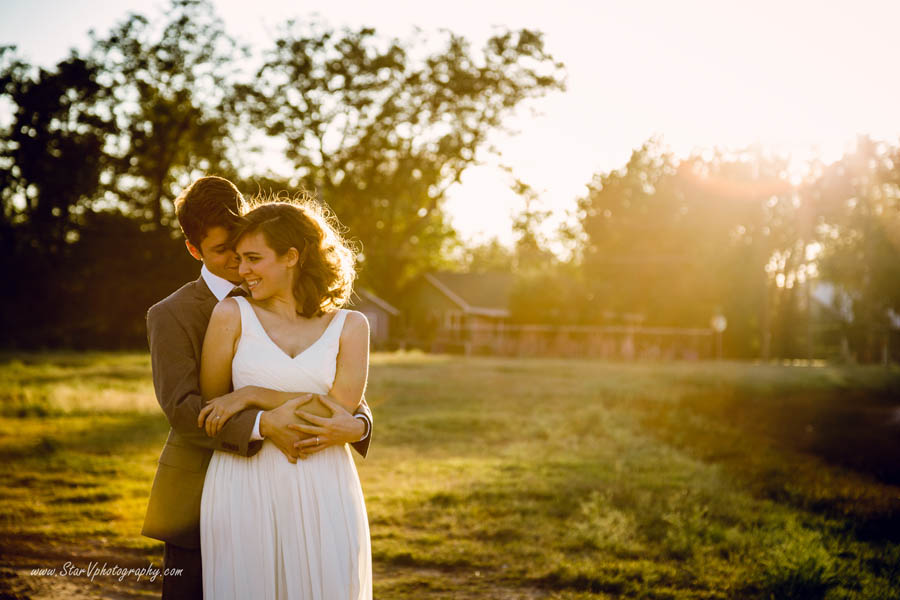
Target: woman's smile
{"points": [[260, 264]]}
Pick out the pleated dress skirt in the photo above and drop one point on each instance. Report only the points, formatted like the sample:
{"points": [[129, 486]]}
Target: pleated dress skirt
{"points": [[280, 531]]}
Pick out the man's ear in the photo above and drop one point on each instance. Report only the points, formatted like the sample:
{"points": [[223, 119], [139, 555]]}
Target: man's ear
{"points": [[193, 250]]}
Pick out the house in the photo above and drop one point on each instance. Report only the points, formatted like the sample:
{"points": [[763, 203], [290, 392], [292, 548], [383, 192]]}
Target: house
{"points": [[833, 321], [448, 311], [384, 319], [470, 313]]}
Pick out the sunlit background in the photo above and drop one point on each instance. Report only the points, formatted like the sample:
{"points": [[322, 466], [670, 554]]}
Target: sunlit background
{"points": [[800, 78], [633, 179], [631, 271]]}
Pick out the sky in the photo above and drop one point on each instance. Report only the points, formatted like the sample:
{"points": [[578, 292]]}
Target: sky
{"points": [[798, 77]]}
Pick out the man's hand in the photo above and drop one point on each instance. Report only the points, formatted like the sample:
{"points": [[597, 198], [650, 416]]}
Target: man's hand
{"points": [[275, 425], [340, 428]]}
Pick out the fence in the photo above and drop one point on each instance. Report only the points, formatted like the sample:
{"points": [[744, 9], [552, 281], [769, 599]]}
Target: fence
{"points": [[610, 342]]}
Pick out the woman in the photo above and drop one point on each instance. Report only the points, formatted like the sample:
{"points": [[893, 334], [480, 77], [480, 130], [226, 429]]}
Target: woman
{"points": [[272, 528]]}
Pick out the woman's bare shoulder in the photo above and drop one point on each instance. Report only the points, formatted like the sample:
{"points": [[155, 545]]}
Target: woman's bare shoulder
{"points": [[355, 323], [356, 318], [226, 310]]}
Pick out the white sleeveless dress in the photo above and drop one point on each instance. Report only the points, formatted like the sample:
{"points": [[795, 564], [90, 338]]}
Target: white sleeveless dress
{"points": [[274, 530]]}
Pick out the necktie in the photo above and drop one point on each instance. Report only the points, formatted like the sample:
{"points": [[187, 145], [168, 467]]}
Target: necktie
{"points": [[238, 291]]}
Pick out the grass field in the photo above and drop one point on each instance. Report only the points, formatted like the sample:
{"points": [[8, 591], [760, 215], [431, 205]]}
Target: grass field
{"points": [[498, 478]]}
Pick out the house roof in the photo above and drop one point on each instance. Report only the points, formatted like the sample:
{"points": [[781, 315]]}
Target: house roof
{"points": [[380, 302], [485, 294]]}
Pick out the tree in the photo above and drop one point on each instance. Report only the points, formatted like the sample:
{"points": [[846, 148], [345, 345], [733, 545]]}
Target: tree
{"points": [[381, 129], [545, 290], [487, 256], [51, 160], [171, 93], [859, 206], [678, 241], [745, 238], [51, 155], [634, 229], [531, 253]]}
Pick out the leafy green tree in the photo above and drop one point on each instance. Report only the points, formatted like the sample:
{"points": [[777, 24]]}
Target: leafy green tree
{"points": [[381, 129], [487, 256], [51, 161], [51, 155], [531, 250], [678, 241], [545, 291], [744, 237], [859, 205], [171, 93], [633, 225]]}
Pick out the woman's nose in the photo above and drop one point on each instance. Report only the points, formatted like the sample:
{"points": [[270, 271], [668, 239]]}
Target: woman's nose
{"points": [[243, 268]]}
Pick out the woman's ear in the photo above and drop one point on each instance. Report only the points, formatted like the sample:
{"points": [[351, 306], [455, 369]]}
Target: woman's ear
{"points": [[292, 257]]}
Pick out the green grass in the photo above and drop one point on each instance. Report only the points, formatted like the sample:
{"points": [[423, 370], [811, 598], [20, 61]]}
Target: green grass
{"points": [[499, 478]]}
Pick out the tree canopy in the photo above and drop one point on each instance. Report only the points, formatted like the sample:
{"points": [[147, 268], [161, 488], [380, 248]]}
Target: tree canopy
{"points": [[381, 129]]}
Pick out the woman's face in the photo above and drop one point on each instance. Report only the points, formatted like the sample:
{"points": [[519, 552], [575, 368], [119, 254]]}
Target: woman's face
{"points": [[265, 272]]}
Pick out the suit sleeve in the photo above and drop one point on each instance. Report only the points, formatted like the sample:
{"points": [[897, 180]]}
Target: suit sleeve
{"points": [[176, 379], [362, 446]]}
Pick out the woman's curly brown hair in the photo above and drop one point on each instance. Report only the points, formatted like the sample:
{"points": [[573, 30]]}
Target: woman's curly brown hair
{"points": [[326, 269]]}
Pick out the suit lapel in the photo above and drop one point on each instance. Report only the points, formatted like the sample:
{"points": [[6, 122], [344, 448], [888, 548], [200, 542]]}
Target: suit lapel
{"points": [[205, 301], [203, 294], [201, 290]]}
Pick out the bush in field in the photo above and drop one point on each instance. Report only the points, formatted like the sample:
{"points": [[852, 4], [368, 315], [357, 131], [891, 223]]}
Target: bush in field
{"points": [[797, 566]]}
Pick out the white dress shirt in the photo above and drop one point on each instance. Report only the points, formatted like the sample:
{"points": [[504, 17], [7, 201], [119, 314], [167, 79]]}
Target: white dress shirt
{"points": [[220, 288]]}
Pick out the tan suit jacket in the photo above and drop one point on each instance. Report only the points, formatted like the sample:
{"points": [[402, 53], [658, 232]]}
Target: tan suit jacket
{"points": [[175, 329]]}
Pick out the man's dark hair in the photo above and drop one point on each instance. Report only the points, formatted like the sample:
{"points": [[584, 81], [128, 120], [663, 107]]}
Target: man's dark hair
{"points": [[208, 202]]}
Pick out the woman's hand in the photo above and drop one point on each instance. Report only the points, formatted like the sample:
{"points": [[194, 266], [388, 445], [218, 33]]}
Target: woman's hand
{"points": [[218, 410], [338, 429]]}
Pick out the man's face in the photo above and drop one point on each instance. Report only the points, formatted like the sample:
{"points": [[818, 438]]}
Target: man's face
{"points": [[215, 254]]}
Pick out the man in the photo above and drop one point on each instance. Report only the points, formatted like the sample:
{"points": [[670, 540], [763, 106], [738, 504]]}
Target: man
{"points": [[208, 211]]}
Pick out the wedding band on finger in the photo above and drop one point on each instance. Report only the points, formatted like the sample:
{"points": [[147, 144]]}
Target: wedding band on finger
{"points": [[218, 417], [317, 440]]}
